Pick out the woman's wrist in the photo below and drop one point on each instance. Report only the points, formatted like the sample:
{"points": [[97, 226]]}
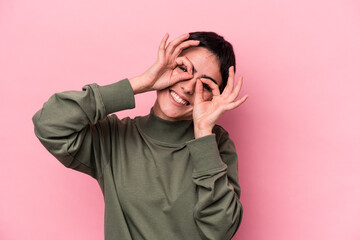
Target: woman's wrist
{"points": [[198, 133], [137, 84]]}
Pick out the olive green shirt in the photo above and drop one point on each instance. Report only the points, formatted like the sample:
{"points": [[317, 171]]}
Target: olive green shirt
{"points": [[158, 182]]}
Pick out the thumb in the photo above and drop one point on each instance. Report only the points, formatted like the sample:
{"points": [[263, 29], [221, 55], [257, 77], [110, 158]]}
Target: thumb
{"points": [[198, 92]]}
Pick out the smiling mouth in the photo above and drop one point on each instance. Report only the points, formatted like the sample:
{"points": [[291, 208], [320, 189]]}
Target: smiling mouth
{"points": [[178, 99]]}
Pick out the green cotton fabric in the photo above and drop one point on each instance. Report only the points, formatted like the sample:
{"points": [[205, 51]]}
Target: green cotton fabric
{"points": [[158, 182]]}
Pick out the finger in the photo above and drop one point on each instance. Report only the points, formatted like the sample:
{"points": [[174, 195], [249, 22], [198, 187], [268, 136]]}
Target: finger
{"points": [[163, 42], [183, 45], [213, 86], [186, 62], [236, 104], [230, 82], [173, 44], [161, 51], [180, 77], [236, 90], [198, 92]]}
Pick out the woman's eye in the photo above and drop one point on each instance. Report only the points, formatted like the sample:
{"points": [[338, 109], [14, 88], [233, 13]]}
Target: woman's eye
{"points": [[206, 86], [182, 68]]}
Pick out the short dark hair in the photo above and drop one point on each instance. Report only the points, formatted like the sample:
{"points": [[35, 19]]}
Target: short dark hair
{"points": [[221, 48]]}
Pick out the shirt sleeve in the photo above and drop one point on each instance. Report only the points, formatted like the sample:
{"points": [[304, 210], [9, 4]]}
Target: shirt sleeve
{"points": [[218, 211], [73, 124]]}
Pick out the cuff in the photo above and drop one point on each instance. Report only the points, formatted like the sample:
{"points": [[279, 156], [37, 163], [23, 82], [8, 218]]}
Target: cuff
{"points": [[117, 96], [204, 154]]}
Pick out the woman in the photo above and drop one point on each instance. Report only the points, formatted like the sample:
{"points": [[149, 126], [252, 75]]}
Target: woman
{"points": [[171, 174]]}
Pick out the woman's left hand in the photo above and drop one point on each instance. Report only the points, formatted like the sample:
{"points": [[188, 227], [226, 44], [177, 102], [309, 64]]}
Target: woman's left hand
{"points": [[206, 113]]}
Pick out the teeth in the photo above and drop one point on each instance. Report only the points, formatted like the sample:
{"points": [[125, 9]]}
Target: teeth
{"points": [[177, 98]]}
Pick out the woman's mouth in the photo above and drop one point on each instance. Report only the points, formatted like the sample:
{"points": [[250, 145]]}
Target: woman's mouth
{"points": [[178, 99]]}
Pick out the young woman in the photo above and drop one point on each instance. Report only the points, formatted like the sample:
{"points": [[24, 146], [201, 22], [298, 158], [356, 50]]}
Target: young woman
{"points": [[171, 174]]}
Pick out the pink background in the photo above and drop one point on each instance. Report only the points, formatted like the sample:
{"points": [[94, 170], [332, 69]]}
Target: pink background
{"points": [[297, 135]]}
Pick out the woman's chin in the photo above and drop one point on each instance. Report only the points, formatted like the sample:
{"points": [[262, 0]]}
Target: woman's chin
{"points": [[171, 114]]}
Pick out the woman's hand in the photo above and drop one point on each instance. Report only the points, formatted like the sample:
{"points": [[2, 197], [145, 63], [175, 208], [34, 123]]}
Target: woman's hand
{"points": [[160, 74], [206, 113]]}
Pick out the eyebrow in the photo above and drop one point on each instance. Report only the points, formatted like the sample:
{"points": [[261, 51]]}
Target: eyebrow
{"points": [[205, 76]]}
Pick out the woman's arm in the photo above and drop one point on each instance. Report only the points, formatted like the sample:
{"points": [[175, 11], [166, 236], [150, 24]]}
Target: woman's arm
{"points": [[218, 211], [66, 123], [69, 123]]}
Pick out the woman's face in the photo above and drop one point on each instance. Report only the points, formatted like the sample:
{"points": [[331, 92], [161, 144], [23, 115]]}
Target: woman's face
{"points": [[176, 102]]}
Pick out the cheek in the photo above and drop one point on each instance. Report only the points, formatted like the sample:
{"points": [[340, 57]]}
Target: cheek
{"points": [[160, 95]]}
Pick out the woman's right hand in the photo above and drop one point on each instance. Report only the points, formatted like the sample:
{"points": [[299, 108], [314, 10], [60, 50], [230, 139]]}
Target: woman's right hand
{"points": [[160, 74]]}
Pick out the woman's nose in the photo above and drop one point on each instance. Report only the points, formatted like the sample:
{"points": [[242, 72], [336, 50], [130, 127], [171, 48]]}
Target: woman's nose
{"points": [[188, 86]]}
